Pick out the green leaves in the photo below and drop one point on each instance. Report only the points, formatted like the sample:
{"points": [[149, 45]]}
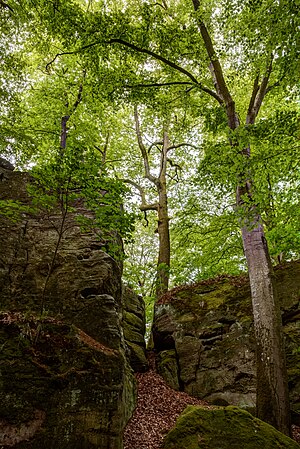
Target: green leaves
{"points": [[14, 210], [101, 142], [71, 183]]}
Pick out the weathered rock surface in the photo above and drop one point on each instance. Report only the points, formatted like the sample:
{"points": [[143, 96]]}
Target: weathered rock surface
{"points": [[204, 338], [134, 328], [60, 388], [224, 428], [66, 382], [29, 248]]}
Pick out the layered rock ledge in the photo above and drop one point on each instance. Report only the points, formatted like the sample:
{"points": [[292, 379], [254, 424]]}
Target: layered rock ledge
{"points": [[66, 381], [204, 338]]}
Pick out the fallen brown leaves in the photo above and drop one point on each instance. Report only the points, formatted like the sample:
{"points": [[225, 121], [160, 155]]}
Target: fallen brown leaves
{"points": [[296, 433], [157, 409]]}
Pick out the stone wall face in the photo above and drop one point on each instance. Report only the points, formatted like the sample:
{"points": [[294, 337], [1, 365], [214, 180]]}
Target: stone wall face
{"points": [[60, 388], [80, 267], [134, 328], [204, 338], [64, 375]]}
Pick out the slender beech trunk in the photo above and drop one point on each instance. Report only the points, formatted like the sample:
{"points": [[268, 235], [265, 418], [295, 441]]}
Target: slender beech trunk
{"points": [[272, 403], [272, 388], [161, 207], [163, 264]]}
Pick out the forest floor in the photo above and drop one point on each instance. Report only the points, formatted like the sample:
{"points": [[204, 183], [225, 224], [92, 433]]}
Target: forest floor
{"points": [[158, 408]]}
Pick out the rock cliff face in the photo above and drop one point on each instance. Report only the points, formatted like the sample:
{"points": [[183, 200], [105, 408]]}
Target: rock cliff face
{"points": [[65, 379], [204, 338], [134, 327], [29, 247], [60, 388]]}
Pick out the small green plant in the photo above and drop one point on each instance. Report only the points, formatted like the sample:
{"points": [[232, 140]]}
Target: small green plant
{"points": [[70, 183], [13, 210]]}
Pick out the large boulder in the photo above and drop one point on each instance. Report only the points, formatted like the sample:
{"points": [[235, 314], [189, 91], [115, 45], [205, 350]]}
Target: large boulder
{"points": [[60, 388], [65, 381], [204, 338], [224, 428]]}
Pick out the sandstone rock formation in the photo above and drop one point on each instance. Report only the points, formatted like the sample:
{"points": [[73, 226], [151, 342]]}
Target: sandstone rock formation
{"points": [[80, 268], [60, 388], [134, 329], [203, 335], [65, 379], [224, 428]]}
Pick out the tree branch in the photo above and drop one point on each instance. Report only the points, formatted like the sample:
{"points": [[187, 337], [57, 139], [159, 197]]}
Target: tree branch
{"points": [[65, 119], [217, 72], [162, 5], [171, 83], [78, 99], [155, 144], [103, 151], [5, 5], [176, 167], [184, 144], [213, 58], [275, 84], [163, 154], [155, 56], [144, 207], [144, 152], [253, 97], [138, 187], [260, 95], [147, 52], [60, 54]]}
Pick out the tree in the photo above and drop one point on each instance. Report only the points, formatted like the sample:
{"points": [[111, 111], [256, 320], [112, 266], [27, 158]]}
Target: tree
{"points": [[219, 50], [272, 390], [161, 206]]}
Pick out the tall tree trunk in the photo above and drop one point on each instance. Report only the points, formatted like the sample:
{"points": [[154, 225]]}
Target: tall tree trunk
{"points": [[272, 388], [160, 182], [163, 265], [272, 402], [272, 396]]}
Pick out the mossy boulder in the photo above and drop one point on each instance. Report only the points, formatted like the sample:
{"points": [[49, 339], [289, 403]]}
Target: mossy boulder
{"points": [[224, 428], [209, 326], [60, 388], [167, 367]]}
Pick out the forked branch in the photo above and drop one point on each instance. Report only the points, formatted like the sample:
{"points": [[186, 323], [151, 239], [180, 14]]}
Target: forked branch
{"points": [[258, 94], [143, 149]]}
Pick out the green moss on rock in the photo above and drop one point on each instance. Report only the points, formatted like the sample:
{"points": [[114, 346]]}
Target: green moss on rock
{"points": [[224, 428], [168, 368], [210, 326], [59, 387]]}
